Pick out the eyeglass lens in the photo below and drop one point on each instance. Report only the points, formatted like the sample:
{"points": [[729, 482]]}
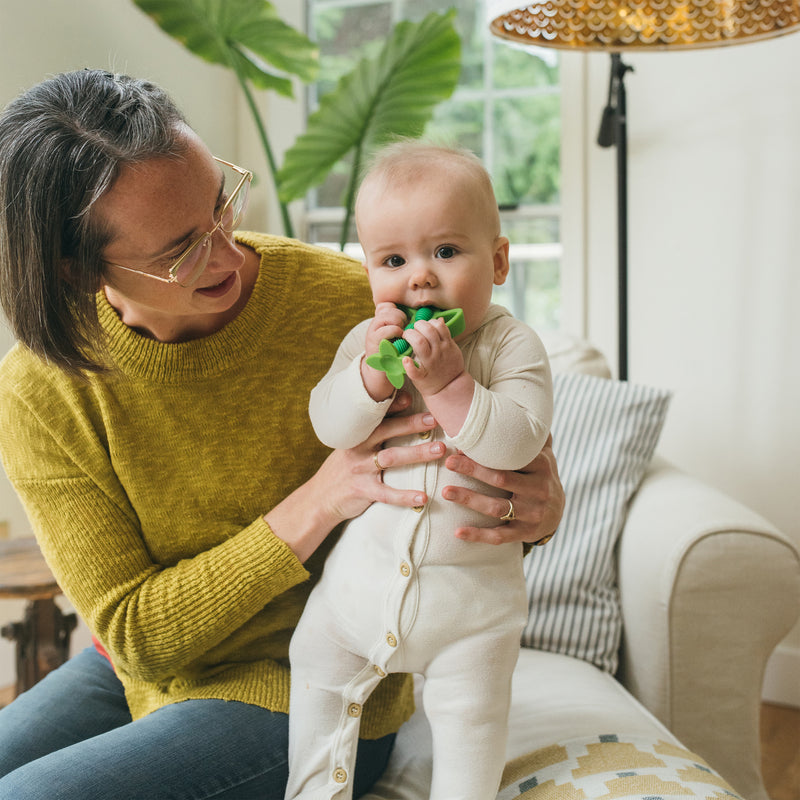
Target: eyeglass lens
{"points": [[193, 262]]}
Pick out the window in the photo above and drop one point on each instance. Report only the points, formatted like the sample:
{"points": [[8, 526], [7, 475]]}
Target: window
{"points": [[506, 109]]}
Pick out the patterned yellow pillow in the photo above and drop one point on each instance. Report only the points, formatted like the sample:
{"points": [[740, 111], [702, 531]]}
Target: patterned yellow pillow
{"points": [[612, 767]]}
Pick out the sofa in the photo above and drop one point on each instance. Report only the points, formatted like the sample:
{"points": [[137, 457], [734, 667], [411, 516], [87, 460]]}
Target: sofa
{"points": [[643, 678]]}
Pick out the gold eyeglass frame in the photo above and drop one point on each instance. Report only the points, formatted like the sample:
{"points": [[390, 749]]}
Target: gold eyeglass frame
{"points": [[247, 176]]}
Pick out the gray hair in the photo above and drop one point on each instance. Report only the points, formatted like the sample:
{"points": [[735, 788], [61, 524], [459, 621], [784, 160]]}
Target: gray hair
{"points": [[62, 144]]}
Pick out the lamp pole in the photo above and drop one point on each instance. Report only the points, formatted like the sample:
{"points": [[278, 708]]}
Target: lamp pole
{"points": [[614, 133]]}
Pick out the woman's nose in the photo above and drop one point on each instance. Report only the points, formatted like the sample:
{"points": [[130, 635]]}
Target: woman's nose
{"points": [[225, 255]]}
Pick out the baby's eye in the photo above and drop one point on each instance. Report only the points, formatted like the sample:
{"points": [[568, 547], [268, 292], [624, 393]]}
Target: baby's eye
{"points": [[445, 251], [395, 261]]}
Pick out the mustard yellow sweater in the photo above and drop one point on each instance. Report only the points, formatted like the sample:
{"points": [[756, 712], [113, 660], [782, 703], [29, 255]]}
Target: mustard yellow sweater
{"points": [[146, 486]]}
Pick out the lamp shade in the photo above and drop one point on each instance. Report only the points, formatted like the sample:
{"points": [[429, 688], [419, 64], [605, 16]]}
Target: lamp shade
{"points": [[623, 25]]}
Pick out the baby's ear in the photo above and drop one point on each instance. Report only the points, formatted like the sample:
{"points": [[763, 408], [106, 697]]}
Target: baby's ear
{"points": [[500, 260]]}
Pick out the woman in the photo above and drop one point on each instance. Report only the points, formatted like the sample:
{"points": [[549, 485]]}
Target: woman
{"points": [[153, 419]]}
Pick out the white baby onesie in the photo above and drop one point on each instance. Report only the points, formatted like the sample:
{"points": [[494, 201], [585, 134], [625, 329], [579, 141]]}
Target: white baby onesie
{"points": [[399, 593]]}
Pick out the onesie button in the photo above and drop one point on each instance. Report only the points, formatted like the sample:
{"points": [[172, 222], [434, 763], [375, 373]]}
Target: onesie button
{"points": [[354, 710], [426, 434], [378, 671], [405, 570], [391, 640], [418, 509], [340, 775]]}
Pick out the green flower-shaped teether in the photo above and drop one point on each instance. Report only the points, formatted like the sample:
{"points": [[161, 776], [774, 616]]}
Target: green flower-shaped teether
{"points": [[389, 358]]}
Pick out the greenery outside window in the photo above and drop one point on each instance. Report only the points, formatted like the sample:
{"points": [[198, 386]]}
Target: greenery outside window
{"points": [[506, 109]]}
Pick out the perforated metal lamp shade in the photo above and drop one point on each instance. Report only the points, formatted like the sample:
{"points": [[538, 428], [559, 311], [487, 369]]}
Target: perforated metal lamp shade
{"points": [[619, 26], [612, 25]]}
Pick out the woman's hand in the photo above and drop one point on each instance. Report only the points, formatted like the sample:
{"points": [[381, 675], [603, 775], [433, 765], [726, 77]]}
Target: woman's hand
{"points": [[359, 470], [536, 494], [349, 481]]}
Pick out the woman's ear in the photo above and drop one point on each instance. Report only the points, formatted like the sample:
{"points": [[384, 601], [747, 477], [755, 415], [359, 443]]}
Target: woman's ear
{"points": [[66, 271], [65, 267], [500, 260]]}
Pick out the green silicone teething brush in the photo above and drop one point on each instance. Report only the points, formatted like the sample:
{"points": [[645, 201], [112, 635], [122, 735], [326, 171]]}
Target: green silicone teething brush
{"points": [[389, 358]]}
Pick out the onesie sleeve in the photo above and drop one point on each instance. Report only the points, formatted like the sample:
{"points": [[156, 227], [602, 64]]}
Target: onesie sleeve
{"points": [[341, 410], [512, 407]]}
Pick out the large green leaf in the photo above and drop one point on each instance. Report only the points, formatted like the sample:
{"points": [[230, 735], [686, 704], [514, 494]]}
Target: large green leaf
{"points": [[244, 35], [389, 96]]}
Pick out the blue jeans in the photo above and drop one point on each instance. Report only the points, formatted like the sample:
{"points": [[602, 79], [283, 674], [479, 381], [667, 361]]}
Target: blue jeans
{"points": [[71, 737]]}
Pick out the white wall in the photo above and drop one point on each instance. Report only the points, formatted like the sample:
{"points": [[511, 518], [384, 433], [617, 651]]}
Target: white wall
{"points": [[714, 260]]}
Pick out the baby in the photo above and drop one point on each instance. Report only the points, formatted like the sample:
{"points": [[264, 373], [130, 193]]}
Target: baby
{"points": [[400, 592]]}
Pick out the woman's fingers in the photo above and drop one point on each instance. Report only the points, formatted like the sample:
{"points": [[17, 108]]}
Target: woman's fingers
{"points": [[400, 426], [366, 463], [534, 492], [408, 498], [410, 454]]}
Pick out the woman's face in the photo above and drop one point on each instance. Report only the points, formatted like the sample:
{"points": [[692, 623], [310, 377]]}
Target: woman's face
{"points": [[154, 211]]}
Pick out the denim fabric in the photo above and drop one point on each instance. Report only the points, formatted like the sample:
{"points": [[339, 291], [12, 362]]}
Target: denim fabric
{"points": [[71, 738]]}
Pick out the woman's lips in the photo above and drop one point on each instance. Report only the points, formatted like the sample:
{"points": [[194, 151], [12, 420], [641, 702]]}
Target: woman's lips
{"points": [[219, 289]]}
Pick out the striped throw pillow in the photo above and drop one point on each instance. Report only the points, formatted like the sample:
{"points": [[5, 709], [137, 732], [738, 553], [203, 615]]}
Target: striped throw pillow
{"points": [[604, 435]]}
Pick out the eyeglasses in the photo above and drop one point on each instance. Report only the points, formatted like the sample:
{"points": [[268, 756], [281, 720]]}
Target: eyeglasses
{"points": [[189, 266]]}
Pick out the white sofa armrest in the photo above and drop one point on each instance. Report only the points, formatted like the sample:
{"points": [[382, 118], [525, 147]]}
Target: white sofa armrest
{"points": [[708, 588]]}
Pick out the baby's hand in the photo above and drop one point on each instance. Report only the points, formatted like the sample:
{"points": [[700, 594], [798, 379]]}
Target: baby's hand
{"points": [[388, 323], [437, 359]]}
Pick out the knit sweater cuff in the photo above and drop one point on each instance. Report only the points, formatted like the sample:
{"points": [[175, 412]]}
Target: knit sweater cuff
{"points": [[260, 554]]}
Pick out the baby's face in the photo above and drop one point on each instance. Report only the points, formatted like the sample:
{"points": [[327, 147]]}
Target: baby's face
{"points": [[431, 243]]}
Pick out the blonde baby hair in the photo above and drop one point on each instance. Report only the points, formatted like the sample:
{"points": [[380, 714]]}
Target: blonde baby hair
{"points": [[410, 160]]}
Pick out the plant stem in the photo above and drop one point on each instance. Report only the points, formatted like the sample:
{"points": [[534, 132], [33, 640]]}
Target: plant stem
{"points": [[273, 167], [349, 202]]}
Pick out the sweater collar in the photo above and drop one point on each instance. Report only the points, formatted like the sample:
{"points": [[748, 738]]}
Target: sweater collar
{"points": [[143, 358]]}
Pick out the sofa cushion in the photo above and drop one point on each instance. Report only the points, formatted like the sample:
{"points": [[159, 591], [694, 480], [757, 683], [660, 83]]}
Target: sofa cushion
{"points": [[604, 434], [556, 702], [570, 354]]}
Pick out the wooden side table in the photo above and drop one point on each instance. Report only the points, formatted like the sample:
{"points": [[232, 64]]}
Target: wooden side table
{"points": [[42, 638]]}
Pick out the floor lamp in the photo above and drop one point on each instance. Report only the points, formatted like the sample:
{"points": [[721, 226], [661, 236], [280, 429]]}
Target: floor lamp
{"points": [[619, 26]]}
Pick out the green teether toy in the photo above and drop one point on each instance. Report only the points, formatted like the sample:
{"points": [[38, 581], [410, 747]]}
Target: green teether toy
{"points": [[389, 358]]}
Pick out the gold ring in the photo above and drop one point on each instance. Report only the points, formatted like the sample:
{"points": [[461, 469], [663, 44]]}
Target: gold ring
{"points": [[375, 459], [509, 515], [543, 540]]}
